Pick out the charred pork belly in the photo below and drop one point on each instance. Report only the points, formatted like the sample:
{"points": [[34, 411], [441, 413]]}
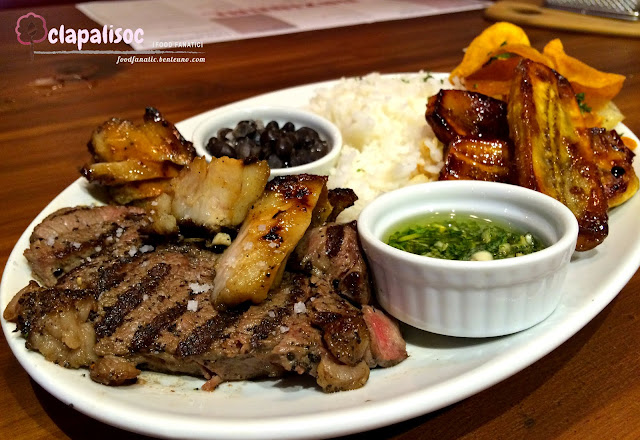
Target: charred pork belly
{"points": [[137, 161], [155, 140], [217, 194], [552, 153], [274, 225]]}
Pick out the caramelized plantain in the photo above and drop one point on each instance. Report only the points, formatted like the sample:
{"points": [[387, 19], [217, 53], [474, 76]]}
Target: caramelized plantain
{"points": [[615, 162], [154, 140], [552, 153], [454, 113], [470, 158]]}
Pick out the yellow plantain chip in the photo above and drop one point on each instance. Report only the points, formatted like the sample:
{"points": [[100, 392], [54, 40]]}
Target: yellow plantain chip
{"points": [[598, 87], [485, 45]]}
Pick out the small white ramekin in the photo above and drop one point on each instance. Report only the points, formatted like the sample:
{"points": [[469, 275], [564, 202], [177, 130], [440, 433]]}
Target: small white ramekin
{"points": [[300, 118], [470, 298]]}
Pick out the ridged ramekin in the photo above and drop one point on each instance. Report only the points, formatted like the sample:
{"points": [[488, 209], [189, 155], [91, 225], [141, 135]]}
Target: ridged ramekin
{"points": [[470, 298]]}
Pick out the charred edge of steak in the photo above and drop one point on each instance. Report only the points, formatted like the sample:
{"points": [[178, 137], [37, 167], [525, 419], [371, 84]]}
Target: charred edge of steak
{"points": [[146, 334], [200, 339], [130, 299], [38, 303]]}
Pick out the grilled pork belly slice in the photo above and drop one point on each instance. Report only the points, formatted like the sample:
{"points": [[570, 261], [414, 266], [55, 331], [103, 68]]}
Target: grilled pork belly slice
{"points": [[470, 158], [65, 238], [455, 113], [130, 170], [552, 153], [155, 140], [615, 162], [139, 191], [217, 194], [137, 161], [273, 227]]}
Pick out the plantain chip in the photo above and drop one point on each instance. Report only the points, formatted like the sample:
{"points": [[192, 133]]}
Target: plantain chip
{"points": [[489, 62], [598, 87], [495, 76], [485, 45]]}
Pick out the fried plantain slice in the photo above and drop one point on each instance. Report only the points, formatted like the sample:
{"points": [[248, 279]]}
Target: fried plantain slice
{"points": [[471, 158], [615, 162], [552, 153], [454, 113], [155, 140]]}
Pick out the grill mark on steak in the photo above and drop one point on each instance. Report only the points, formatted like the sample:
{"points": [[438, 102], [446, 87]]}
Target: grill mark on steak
{"points": [[200, 339], [110, 276], [147, 333], [130, 299], [335, 235]]}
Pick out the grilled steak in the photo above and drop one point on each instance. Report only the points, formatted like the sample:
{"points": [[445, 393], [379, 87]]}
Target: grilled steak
{"points": [[67, 237], [134, 306], [332, 252]]}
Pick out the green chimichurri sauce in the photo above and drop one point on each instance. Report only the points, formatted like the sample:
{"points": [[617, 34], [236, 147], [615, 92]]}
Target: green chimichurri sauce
{"points": [[463, 237]]}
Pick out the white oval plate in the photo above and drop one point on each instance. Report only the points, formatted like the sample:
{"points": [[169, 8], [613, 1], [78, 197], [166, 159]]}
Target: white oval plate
{"points": [[440, 370]]}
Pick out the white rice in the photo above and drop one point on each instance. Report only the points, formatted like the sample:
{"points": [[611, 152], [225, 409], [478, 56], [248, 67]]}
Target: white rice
{"points": [[387, 142]]}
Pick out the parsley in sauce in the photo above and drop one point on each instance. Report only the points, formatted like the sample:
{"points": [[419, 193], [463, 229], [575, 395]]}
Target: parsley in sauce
{"points": [[462, 237]]}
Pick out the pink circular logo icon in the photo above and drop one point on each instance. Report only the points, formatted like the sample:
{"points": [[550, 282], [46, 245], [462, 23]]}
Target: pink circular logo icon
{"points": [[31, 28]]}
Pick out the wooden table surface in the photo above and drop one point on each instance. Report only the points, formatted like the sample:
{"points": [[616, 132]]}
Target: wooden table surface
{"points": [[588, 388]]}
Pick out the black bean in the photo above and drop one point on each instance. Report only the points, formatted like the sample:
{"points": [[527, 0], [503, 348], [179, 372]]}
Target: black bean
{"points": [[300, 157], [214, 148], [227, 150], [284, 146], [243, 148], [269, 137], [272, 125], [318, 149], [288, 127], [306, 136], [255, 151], [280, 147], [274, 161], [244, 129], [223, 132]]}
